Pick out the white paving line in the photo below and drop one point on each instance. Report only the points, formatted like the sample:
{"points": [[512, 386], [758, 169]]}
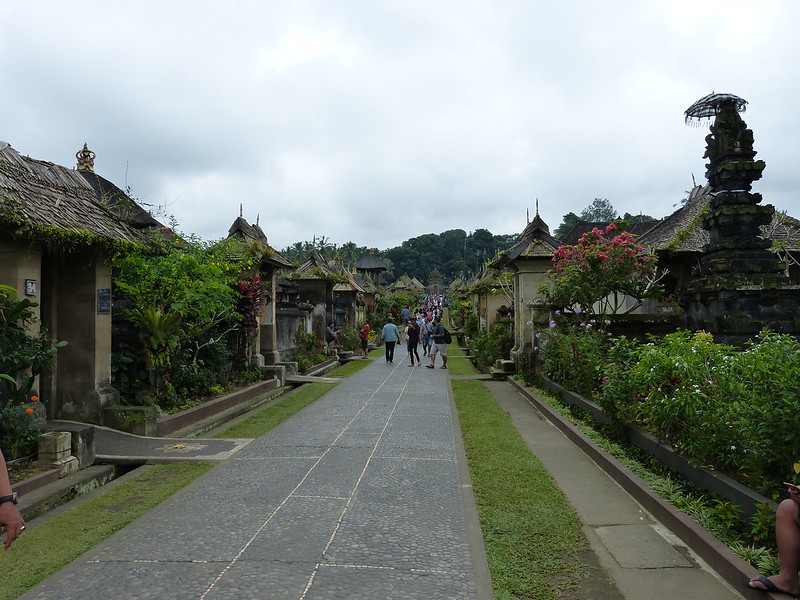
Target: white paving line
{"points": [[355, 487], [292, 494]]}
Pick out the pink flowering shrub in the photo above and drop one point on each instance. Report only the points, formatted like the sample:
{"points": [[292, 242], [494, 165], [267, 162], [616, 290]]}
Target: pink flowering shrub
{"points": [[599, 272]]}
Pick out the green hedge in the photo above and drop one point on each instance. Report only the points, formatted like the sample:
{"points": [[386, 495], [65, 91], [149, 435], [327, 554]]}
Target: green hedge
{"points": [[734, 410]]}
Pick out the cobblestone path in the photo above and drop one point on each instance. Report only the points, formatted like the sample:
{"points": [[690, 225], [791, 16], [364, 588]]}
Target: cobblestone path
{"points": [[361, 495]]}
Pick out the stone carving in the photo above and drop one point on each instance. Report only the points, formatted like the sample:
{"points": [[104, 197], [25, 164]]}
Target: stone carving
{"points": [[739, 285], [85, 159]]}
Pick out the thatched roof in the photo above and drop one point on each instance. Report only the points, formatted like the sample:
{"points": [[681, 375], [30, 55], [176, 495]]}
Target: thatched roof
{"points": [[403, 283], [535, 241], [122, 205], [457, 285], [574, 233], [39, 198], [254, 233], [371, 262], [348, 283], [351, 285], [366, 283], [682, 231], [314, 267], [486, 280]]}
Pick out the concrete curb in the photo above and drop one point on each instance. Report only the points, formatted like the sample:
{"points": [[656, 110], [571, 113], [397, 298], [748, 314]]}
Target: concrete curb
{"points": [[717, 555], [41, 500]]}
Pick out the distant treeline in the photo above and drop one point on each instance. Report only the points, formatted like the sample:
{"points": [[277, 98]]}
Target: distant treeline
{"points": [[453, 253]]}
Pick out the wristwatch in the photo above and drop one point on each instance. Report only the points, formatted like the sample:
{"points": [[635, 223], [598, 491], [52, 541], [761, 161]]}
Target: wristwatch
{"points": [[13, 497]]}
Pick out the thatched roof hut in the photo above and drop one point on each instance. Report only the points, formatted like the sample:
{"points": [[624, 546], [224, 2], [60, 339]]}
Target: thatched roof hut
{"points": [[44, 202]]}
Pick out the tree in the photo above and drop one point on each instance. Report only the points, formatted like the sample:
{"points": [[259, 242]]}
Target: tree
{"points": [[454, 253], [25, 348], [640, 218], [599, 211], [570, 219], [350, 253], [24, 354], [596, 275], [182, 298]]}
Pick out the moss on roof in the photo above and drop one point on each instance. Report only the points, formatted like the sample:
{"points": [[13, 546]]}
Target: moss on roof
{"points": [[45, 202]]}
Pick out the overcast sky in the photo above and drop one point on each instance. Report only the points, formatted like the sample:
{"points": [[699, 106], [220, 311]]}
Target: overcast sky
{"points": [[374, 121]]}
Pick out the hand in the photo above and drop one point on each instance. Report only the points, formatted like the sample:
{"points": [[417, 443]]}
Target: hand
{"points": [[12, 521], [794, 491]]}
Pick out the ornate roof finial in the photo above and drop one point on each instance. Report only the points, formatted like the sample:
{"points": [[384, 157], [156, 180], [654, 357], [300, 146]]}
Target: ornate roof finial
{"points": [[537, 205], [85, 159], [708, 107]]}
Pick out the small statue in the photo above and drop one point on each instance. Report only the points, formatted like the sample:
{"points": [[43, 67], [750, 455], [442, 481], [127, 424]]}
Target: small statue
{"points": [[729, 133], [85, 159]]}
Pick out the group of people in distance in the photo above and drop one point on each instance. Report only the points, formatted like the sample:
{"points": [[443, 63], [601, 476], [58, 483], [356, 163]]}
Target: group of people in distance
{"points": [[422, 327]]}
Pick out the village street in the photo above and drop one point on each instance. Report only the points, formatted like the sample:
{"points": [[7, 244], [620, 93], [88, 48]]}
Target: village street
{"points": [[359, 496], [364, 494]]}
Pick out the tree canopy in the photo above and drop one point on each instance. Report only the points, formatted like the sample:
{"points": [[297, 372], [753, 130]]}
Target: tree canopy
{"points": [[599, 211], [454, 253]]}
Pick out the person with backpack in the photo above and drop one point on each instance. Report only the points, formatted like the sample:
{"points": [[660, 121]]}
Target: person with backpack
{"points": [[439, 336]]}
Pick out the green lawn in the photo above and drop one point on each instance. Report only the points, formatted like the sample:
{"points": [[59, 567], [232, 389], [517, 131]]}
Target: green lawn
{"points": [[531, 533]]}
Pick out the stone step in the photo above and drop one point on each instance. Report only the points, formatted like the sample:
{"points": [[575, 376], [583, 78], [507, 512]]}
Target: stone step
{"points": [[507, 366], [498, 373]]}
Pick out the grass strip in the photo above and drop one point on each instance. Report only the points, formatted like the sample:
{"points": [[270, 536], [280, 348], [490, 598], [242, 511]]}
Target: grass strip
{"points": [[48, 547], [272, 416], [454, 350], [531, 533], [460, 366]]}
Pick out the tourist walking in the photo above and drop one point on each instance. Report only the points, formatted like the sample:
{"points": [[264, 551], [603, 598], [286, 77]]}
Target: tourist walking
{"points": [[390, 334], [426, 329], [412, 341], [419, 318], [439, 344]]}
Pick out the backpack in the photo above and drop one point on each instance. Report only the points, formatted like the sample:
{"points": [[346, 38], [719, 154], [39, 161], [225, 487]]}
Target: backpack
{"points": [[447, 337]]}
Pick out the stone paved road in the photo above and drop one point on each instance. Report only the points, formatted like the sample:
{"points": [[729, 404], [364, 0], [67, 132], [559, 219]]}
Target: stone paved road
{"points": [[361, 495]]}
